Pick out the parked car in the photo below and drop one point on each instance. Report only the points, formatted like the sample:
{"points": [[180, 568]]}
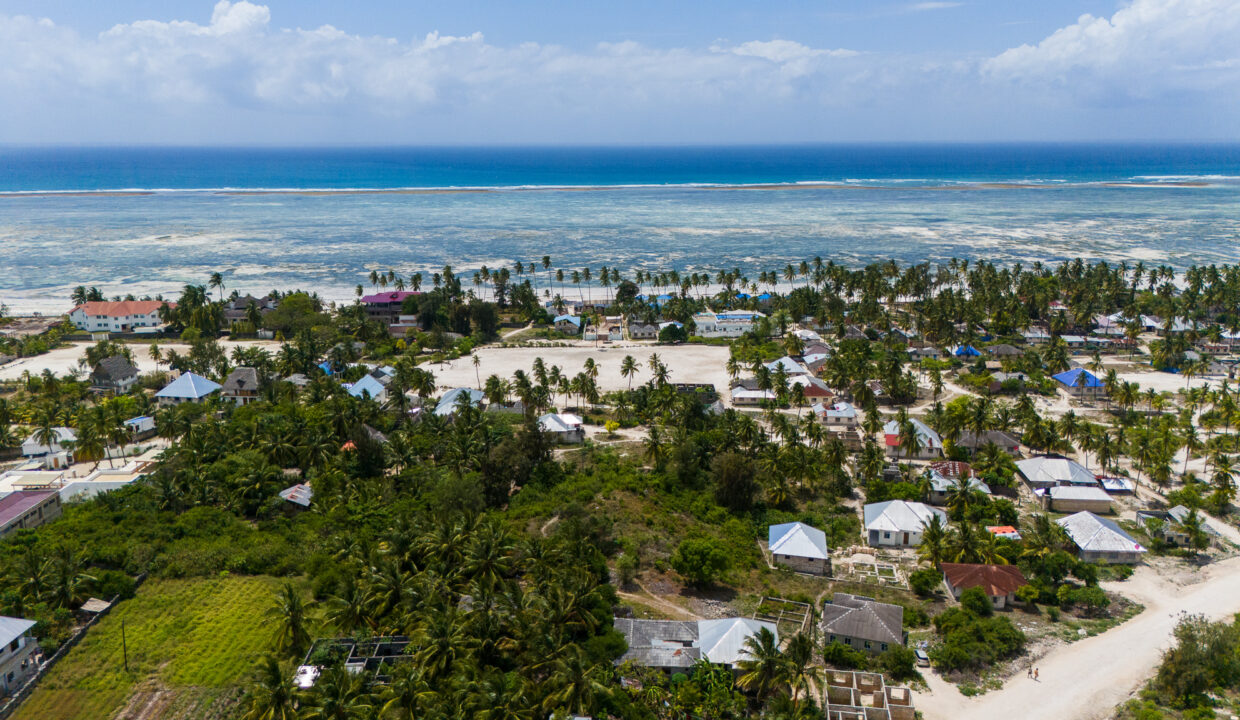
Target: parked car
{"points": [[923, 660]]}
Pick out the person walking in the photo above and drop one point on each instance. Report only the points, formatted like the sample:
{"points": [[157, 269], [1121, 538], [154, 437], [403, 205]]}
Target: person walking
{"points": [[1035, 674], [1029, 671]]}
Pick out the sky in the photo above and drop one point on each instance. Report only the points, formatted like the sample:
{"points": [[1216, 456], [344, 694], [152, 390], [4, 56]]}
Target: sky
{"points": [[376, 72]]}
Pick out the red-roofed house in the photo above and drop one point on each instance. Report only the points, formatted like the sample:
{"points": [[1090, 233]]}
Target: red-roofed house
{"points": [[999, 582], [119, 316], [27, 509], [386, 306]]}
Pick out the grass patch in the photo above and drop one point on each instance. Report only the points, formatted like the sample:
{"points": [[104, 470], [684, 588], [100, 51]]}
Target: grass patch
{"points": [[193, 640]]}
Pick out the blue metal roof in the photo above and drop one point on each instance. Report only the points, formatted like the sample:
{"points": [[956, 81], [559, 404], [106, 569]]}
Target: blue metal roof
{"points": [[1078, 377]]}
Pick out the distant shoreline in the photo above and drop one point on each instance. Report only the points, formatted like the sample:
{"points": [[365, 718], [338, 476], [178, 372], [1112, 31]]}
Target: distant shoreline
{"points": [[311, 192]]}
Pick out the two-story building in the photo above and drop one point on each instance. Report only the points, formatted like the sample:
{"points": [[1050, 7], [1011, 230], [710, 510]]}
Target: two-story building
{"points": [[119, 316], [18, 653]]}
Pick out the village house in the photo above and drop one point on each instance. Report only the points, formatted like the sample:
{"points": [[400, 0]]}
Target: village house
{"points": [[676, 645], [643, 331], [189, 387], [1035, 336], [1075, 498], [1098, 539], [238, 309], [942, 486], [999, 582], [63, 440], [1170, 525], [564, 427], [25, 509], [1045, 471], [812, 388], [113, 374], [117, 316], [838, 414], [1004, 350], [369, 387], [927, 352], [973, 441], [241, 386], [800, 547], [19, 653], [455, 397], [743, 396], [930, 445], [862, 623], [1007, 381], [898, 523], [386, 306], [567, 324], [1080, 383], [298, 496]]}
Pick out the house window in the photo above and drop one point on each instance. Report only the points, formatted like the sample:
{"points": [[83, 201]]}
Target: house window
{"points": [[867, 644], [848, 641], [832, 639], [15, 644], [884, 647], [886, 536]]}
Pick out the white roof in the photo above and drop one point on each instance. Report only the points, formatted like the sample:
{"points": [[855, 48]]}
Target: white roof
{"points": [[63, 435], [559, 422], [12, 628], [837, 409], [188, 387], [1055, 471], [368, 386], [790, 366], [1078, 492], [1096, 534], [929, 438], [900, 516], [723, 641], [807, 335], [447, 403], [741, 392], [798, 540], [1117, 484]]}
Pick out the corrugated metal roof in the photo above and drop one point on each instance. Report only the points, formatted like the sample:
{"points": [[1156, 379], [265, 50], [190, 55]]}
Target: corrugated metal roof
{"points": [[1094, 534], [798, 540], [900, 516]]}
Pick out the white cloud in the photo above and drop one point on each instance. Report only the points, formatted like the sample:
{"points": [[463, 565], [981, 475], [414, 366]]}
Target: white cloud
{"points": [[241, 77], [923, 6], [1148, 49]]}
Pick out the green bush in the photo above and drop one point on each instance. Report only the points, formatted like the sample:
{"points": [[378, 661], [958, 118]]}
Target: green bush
{"points": [[973, 642], [977, 602], [840, 656], [924, 581], [701, 561], [898, 662]]}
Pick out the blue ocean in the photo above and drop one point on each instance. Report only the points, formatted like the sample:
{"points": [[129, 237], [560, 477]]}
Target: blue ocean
{"points": [[148, 220]]}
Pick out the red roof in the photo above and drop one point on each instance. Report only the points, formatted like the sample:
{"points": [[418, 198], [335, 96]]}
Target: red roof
{"points": [[388, 298], [120, 308], [1001, 529], [16, 504], [892, 440], [994, 580], [952, 469]]}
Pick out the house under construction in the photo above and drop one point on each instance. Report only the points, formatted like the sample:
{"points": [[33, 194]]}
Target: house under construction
{"points": [[864, 696]]}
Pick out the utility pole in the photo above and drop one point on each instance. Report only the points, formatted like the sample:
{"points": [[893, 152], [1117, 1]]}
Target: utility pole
{"points": [[124, 646]]}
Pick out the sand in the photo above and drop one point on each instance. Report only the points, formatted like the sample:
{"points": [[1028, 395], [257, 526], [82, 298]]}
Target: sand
{"points": [[685, 363], [64, 360], [1087, 679]]}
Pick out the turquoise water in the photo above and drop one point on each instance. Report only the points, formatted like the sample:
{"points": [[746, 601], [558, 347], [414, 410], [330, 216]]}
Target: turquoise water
{"points": [[63, 221]]}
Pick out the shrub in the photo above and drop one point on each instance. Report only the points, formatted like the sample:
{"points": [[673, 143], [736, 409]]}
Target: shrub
{"points": [[701, 561], [971, 642], [924, 581], [626, 568], [838, 655], [977, 602], [898, 662]]}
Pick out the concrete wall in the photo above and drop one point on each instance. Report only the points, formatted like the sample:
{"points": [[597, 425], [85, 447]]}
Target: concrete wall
{"points": [[814, 566], [1101, 507]]}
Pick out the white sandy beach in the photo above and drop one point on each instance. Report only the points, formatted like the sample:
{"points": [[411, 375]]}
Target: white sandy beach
{"points": [[64, 360]]}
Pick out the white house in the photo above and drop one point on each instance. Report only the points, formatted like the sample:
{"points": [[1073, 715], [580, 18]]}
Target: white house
{"points": [[122, 316], [368, 387], [930, 445], [1046, 471], [1100, 539], [732, 323], [800, 547], [566, 427], [34, 448], [187, 388], [837, 414], [17, 647], [898, 523], [742, 396]]}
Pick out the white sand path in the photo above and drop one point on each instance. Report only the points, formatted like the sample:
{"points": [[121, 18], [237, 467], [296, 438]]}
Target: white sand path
{"points": [[64, 360], [1085, 680]]}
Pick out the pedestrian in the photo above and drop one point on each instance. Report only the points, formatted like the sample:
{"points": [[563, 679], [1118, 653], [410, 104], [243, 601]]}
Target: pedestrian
{"points": [[1029, 671], [1035, 673]]}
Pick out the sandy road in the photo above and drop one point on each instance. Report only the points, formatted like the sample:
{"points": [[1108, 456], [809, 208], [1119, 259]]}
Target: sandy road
{"points": [[1087, 679]]}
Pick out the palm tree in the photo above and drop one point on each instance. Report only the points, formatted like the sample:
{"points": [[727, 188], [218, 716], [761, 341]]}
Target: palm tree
{"points": [[764, 670], [217, 281], [292, 634], [579, 684], [338, 695], [271, 694], [933, 545], [628, 369]]}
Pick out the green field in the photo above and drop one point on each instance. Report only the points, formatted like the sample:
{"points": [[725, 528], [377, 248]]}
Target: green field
{"points": [[191, 645]]}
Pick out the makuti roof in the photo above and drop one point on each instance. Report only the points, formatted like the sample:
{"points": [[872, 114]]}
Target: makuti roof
{"points": [[798, 540], [1078, 377], [1096, 534], [188, 386]]}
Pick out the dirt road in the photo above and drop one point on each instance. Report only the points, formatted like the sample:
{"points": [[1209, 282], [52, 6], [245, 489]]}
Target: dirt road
{"points": [[1087, 679]]}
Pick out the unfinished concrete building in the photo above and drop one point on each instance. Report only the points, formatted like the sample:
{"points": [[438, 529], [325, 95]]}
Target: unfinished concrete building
{"points": [[864, 696]]}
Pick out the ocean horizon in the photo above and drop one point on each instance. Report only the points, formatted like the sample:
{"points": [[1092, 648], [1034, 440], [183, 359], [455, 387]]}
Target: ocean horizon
{"points": [[147, 220]]}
